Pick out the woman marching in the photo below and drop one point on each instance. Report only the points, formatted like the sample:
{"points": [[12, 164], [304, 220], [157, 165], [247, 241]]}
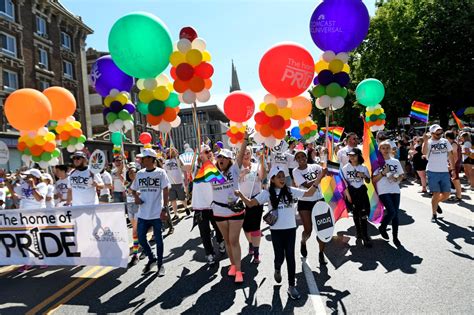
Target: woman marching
{"points": [[305, 176], [250, 184], [281, 199], [387, 180], [227, 212], [354, 174]]}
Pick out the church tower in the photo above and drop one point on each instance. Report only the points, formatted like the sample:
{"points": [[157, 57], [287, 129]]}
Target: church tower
{"points": [[234, 86]]}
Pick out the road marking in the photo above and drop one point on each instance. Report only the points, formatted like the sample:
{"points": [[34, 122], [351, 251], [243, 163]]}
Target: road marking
{"points": [[314, 294], [78, 290], [63, 290], [8, 269]]}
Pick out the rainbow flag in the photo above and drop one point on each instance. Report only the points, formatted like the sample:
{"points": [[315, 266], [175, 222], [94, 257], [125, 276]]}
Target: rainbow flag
{"points": [[332, 188], [420, 111], [458, 121], [209, 173], [373, 160], [334, 133]]}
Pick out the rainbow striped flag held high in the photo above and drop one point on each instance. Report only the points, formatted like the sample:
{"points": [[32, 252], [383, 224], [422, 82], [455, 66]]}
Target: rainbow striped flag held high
{"points": [[420, 111], [458, 121], [209, 173], [334, 133], [332, 188]]}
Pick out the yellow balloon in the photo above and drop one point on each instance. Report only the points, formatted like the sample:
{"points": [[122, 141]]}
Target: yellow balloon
{"points": [[170, 87], [262, 107], [234, 129], [206, 56], [242, 129], [161, 93], [377, 112], [29, 142], [68, 127], [108, 100], [336, 65], [194, 57], [50, 137], [346, 68], [76, 125], [271, 110], [177, 58], [122, 98], [285, 113], [320, 66], [59, 129], [146, 96], [39, 140]]}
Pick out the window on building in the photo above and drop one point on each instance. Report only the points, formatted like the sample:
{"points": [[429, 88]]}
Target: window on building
{"points": [[43, 85], [68, 69], [10, 80], [8, 44], [41, 26], [66, 41], [7, 9], [43, 58]]}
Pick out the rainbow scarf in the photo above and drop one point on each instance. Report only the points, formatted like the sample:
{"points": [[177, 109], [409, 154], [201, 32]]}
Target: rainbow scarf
{"points": [[420, 111], [458, 121], [209, 173], [373, 160], [334, 133], [332, 188]]}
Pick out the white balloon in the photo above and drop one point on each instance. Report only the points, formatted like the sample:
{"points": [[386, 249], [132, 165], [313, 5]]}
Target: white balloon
{"points": [[54, 161], [155, 127], [140, 84], [150, 84], [189, 97], [184, 45], [303, 120], [180, 98], [258, 138], [114, 92], [337, 102], [42, 131], [377, 106], [162, 79], [344, 57], [328, 55], [164, 126], [282, 102], [128, 124], [175, 123], [70, 119], [270, 142], [43, 164], [323, 102], [203, 96], [79, 146], [269, 99], [199, 44], [71, 148], [112, 128], [26, 158]]}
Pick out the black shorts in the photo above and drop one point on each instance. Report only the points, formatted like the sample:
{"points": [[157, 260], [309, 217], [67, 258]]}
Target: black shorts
{"points": [[253, 217], [304, 205], [469, 161], [232, 218]]}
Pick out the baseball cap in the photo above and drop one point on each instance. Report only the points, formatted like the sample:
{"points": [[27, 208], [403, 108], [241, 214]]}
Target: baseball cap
{"points": [[354, 151], [435, 127], [47, 176], [205, 147], [149, 152], [139, 155], [300, 151], [79, 154], [225, 153], [33, 172], [274, 171]]}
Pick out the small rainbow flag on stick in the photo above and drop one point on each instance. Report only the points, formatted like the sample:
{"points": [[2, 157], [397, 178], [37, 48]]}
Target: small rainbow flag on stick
{"points": [[332, 188], [209, 173], [458, 121], [420, 111], [334, 133]]}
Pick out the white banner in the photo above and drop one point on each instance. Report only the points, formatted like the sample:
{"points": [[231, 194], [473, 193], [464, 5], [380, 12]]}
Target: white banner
{"points": [[84, 235]]}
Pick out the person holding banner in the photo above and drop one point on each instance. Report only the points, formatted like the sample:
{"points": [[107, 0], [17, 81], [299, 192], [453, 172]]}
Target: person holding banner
{"points": [[281, 200], [48, 180], [82, 183], [305, 176], [150, 190], [60, 186]]}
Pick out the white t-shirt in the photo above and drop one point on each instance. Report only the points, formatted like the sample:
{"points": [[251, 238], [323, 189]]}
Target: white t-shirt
{"points": [[466, 147], [118, 182], [224, 193], [349, 173], [27, 200], [438, 155], [286, 212], [150, 185], [107, 179], [174, 172], [388, 185], [342, 156], [83, 193], [202, 196], [3, 196], [292, 163], [249, 178], [60, 188], [310, 173], [50, 194], [282, 160]]}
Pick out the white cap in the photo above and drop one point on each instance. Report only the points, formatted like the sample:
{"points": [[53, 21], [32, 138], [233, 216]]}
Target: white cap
{"points": [[47, 176], [301, 151], [274, 171], [139, 155], [226, 153], [149, 152], [435, 127], [205, 147], [33, 172]]}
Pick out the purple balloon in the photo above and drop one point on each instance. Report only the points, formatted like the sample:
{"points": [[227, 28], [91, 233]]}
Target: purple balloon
{"points": [[115, 106], [342, 78], [315, 80], [339, 25], [130, 108], [105, 76], [325, 77]]}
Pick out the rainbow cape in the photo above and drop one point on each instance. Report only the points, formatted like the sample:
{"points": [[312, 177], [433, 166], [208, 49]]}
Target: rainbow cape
{"points": [[209, 173], [458, 121], [420, 111], [373, 160], [332, 188], [334, 133]]}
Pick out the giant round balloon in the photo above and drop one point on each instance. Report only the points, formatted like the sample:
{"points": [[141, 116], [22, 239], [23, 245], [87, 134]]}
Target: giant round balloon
{"points": [[27, 109], [339, 25], [140, 45], [370, 92], [239, 106], [105, 76], [286, 70], [63, 103]]}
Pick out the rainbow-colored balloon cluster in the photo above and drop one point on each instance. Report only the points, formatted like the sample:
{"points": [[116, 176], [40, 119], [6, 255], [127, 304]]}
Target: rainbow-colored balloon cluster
{"points": [[236, 133], [375, 117], [308, 129], [69, 134], [39, 147], [119, 110]]}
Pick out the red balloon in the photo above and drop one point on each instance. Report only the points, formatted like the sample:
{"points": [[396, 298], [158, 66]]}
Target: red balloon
{"points": [[145, 137], [277, 122], [286, 70], [239, 106], [188, 32], [204, 70], [239, 136], [173, 73], [180, 86], [287, 124], [261, 118], [184, 71]]}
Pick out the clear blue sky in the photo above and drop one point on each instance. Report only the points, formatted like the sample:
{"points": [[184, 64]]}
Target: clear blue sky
{"points": [[241, 30]]}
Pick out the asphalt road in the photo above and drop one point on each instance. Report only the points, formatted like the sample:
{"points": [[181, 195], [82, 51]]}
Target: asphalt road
{"points": [[431, 274]]}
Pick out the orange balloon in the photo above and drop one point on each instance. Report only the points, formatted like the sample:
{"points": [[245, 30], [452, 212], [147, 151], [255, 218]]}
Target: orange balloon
{"points": [[313, 127], [62, 101], [197, 84], [177, 109], [49, 146], [208, 83], [266, 130], [169, 115], [64, 135], [233, 140], [300, 107], [27, 109], [257, 127], [279, 133], [76, 133], [180, 86], [36, 150], [21, 146], [154, 120]]}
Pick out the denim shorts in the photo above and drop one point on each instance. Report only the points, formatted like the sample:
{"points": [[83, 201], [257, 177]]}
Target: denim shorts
{"points": [[439, 181]]}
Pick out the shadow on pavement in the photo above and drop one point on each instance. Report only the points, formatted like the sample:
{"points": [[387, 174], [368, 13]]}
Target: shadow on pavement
{"points": [[334, 297], [455, 232], [191, 244]]}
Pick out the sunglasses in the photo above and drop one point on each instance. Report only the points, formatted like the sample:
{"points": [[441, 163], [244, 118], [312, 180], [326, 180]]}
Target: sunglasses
{"points": [[207, 151], [118, 161]]}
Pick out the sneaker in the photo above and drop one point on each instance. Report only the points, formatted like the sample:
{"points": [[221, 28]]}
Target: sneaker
{"points": [[161, 271], [303, 250], [149, 265], [133, 261], [439, 210], [210, 259], [396, 242], [232, 271], [222, 247], [256, 260], [24, 268], [142, 255], [293, 293], [434, 218], [277, 276], [239, 277], [383, 232], [322, 260], [188, 212]]}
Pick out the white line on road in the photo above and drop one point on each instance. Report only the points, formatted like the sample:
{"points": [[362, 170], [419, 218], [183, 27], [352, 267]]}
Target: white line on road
{"points": [[314, 294]]}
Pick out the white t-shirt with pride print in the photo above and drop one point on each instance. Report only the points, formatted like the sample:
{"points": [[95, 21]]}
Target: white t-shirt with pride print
{"points": [[385, 185], [438, 155], [27, 199], [310, 173], [83, 193], [349, 173], [150, 185]]}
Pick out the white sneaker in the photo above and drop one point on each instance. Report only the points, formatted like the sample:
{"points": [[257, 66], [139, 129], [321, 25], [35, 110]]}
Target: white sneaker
{"points": [[162, 271], [222, 247], [210, 259]]}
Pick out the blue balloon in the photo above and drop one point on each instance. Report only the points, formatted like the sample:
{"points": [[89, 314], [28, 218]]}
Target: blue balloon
{"points": [[295, 132], [105, 76], [339, 25]]}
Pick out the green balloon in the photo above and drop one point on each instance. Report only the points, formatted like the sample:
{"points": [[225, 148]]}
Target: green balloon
{"points": [[81, 139], [142, 108], [73, 141], [382, 116], [36, 159], [370, 92], [46, 156], [124, 115], [333, 89], [156, 107], [27, 152], [56, 153], [172, 101], [64, 143], [374, 117], [140, 45], [319, 90], [343, 92], [111, 117], [116, 138]]}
